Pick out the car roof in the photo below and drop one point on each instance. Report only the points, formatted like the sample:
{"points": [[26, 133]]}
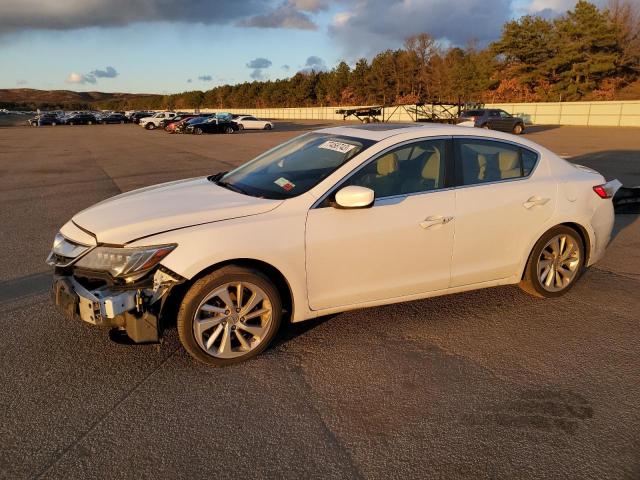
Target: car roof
{"points": [[380, 131]]}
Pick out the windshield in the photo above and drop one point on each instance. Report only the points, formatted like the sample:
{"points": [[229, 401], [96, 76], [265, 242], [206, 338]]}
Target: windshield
{"points": [[294, 167]]}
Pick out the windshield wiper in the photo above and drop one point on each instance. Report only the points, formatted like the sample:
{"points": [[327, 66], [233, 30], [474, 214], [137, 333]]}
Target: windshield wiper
{"points": [[231, 187], [216, 176]]}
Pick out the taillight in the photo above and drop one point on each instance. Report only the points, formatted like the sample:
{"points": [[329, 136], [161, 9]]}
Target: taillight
{"points": [[601, 192], [607, 190]]}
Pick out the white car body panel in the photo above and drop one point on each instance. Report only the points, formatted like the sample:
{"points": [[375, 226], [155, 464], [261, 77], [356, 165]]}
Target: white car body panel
{"points": [[169, 206], [488, 248], [335, 260], [386, 262]]}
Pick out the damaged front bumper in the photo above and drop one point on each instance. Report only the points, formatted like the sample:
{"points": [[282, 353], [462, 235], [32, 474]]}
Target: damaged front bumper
{"points": [[135, 310]]}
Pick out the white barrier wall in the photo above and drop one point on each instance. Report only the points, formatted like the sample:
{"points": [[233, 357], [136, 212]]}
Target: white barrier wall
{"points": [[610, 113]]}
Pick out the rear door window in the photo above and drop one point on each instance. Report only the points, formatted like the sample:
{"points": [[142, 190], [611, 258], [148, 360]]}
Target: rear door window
{"points": [[484, 161]]}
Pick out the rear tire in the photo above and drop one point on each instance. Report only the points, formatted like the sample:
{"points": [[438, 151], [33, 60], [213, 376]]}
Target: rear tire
{"points": [[228, 130], [205, 320], [267, 127], [555, 263], [486, 126], [198, 131]]}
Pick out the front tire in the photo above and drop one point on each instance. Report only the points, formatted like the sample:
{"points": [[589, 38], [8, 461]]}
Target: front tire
{"points": [[150, 126], [198, 131], [267, 127], [229, 316], [518, 129], [555, 264], [228, 130]]}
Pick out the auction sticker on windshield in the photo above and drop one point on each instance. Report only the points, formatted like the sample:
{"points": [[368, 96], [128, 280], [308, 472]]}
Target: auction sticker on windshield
{"points": [[284, 183], [337, 146]]}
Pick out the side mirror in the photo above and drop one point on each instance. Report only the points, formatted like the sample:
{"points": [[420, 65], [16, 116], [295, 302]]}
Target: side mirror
{"points": [[354, 197]]}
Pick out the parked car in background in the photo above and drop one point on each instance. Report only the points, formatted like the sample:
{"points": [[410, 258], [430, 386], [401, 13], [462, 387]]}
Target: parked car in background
{"points": [[137, 116], [44, 119], [153, 122], [80, 119], [113, 118], [181, 127], [333, 220], [175, 126], [213, 124], [249, 122], [493, 119], [177, 118]]}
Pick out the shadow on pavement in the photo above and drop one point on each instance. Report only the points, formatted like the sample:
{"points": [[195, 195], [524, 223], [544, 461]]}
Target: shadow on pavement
{"points": [[621, 164], [539, 128], [297, 127]]}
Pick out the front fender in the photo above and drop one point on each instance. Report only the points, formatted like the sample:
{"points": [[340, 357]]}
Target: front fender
{"points": [[275, 240]]}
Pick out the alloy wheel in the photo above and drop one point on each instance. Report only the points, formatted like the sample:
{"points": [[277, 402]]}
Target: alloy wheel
{"points": [[558, 263], [232, 320]]}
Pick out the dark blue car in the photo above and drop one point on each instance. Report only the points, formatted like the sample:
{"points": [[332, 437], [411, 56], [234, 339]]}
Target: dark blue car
{"points": [[494, 119]]}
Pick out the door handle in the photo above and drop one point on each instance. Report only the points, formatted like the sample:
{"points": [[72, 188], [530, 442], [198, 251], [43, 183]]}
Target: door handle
{"points": [[434, 220], [535, 202]]}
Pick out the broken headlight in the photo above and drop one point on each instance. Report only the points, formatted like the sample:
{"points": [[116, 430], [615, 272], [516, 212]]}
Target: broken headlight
{"points": [[123, 261]]}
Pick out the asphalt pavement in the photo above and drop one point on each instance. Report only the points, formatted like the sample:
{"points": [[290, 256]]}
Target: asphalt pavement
{"points": [[487, 384]]}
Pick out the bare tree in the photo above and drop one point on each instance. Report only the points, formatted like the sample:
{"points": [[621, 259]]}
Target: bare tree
{"points": [[625, 15]]}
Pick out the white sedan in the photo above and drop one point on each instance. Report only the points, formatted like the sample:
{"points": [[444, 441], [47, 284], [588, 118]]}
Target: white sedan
{"points": [[247, 122], [333, 220]]}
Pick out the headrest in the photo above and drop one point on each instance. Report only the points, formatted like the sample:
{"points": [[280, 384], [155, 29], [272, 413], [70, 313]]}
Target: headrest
{"points": [[508, 160], [387, 164], [431, 169]]}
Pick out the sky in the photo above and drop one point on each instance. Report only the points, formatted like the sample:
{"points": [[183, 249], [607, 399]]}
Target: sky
{"points": [[170, 46]]}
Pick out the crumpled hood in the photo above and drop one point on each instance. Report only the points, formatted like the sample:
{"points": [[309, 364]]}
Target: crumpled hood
{"points": [[167, 206]]}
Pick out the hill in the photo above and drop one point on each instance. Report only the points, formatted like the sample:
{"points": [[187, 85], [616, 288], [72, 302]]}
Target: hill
{"points": [[31, 99]]}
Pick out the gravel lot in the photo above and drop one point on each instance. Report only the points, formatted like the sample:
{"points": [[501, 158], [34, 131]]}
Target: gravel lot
{"points": [[487, 384]]}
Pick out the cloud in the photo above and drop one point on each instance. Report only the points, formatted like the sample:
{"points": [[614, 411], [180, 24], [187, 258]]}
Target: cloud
{"points": [[259, 62], [73, 14], [287, 15], [79, 78], [314, 61], [314, 64], [258, 65], [366, 27], [285, 67], [109, 72], [22, 82], [189, 80], [205, 78], [92, 76], [310, 5], [551, 8]]}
